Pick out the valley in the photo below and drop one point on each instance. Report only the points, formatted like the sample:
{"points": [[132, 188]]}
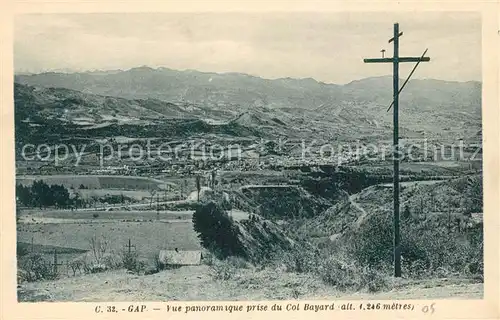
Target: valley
{"points": [[302, 171]]}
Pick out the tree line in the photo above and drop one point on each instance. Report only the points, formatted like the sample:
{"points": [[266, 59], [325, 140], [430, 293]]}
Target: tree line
{"points": [[40, 194]]}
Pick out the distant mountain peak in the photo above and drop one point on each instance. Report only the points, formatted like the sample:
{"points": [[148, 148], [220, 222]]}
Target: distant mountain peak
{"points": [[142, 68]]}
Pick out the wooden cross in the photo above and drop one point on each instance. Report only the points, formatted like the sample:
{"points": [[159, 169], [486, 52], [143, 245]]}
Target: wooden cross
{"points": [[129, 246], [395, 60]]}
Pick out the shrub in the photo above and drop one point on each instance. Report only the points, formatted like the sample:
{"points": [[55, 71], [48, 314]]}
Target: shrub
{"points": [[78, 264], [297, 260], [36, 267], [237, 262], [129, 260], [140, 266], [208, 259], [21, 250], [158, 263], [372, 243], [426, 249], [111, 261], [97, 268], [221, 270], [345, 275]]}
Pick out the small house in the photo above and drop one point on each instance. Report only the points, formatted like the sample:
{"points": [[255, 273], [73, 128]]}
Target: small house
{"points": [[177, 258]]}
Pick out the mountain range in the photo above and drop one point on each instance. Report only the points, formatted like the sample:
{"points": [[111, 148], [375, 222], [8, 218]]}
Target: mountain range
{"points": [[306, 105]]}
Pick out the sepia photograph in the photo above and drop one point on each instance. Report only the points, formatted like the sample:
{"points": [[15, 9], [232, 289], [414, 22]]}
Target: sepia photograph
{"points": [[248, 156]]}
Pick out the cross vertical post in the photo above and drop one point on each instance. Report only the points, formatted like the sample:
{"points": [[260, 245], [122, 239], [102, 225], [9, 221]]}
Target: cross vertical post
{"points": [[395, 60], [129, 246]]}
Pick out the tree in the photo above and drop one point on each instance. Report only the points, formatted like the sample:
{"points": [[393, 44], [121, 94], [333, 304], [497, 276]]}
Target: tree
{"points": [[98, 247], [59, 195], [76, 201], [24, 195], [216, 231], [41, 194]]}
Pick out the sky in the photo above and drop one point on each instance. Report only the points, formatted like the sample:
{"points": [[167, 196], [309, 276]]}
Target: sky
{"points": [[329, 47]]}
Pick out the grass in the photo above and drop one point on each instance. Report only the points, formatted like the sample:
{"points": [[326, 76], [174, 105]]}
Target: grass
{"points": [[195, 283], [47, 249], [431, 167], [134, 194], [119, 216], [148, 237], [95, 181]]}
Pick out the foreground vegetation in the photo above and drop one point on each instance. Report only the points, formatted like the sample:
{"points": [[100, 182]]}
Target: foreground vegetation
{"points": [[360, 256]]}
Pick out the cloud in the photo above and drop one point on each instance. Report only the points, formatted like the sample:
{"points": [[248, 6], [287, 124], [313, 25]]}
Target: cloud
{"points": [[328, 47]]}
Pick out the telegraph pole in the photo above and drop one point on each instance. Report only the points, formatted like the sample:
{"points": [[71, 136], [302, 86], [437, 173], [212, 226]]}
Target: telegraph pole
{"points": [[395, 60]]}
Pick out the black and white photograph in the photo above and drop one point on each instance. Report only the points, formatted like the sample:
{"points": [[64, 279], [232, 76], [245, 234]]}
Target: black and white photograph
{"points": [[248, 156]]}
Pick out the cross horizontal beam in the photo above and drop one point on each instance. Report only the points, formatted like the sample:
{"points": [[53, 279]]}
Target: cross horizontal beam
{"points": [[399, 35], [400, 59]]}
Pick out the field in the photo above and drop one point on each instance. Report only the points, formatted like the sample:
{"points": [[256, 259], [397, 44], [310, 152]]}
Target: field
{"points": [[148, 237], [96, 181], [68, 216], [431, 167], [133, 194]]}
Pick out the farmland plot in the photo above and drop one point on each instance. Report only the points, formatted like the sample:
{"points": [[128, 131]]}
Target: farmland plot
{"points": [[67, 216], [148, 237]]}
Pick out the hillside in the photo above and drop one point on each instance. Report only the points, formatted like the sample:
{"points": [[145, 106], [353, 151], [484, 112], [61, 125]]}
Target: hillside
{"points": [[87, 109], [247, 91], [455, 204], [356, 110], [55, 114]]}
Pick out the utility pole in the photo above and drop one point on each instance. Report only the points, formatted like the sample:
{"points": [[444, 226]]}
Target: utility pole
{"points": [[395, 60]]}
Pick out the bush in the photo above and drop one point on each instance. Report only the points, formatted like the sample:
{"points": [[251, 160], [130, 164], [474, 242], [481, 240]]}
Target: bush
{"points": [[79, 264], [237, 262], [21, 249], [97, 268], [222, 270], [372, 243], [346, 275], [111, 261], [208, 259], [426, 249], [158, 264], [297, 260], [129, 260], [36, 267]]}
